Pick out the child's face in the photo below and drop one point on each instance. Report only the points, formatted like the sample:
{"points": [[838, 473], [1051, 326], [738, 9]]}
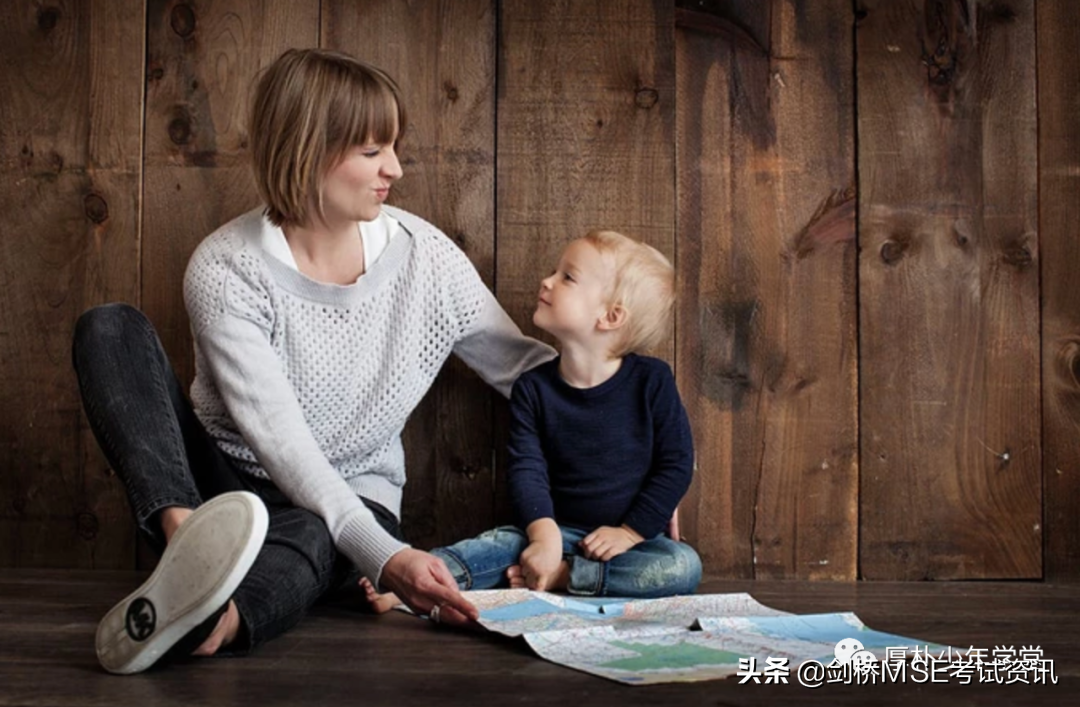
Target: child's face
{"points": [[355, 189], [573, 299]]}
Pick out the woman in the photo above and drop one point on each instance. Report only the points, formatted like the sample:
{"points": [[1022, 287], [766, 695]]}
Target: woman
{"points": [[319, 321]]}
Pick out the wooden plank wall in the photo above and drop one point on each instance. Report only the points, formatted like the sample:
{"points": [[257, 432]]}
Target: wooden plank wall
{"points": [[766, 326], [1059, 237], [70, 182], [864, 203], [949, 291]]}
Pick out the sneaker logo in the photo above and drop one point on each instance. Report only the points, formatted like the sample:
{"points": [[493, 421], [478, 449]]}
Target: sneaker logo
{"points": [[141, 619]]}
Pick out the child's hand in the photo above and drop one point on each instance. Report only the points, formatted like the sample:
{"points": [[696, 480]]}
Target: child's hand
{"points": [[540, 565], [673, 527], [606, 542]]}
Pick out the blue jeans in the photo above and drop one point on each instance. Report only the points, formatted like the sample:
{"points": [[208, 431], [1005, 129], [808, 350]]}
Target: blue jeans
{"points": [[658, 567], [160, 451]]}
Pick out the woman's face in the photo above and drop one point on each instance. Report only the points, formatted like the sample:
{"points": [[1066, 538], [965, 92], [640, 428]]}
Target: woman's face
{"points": [[355, 189]]}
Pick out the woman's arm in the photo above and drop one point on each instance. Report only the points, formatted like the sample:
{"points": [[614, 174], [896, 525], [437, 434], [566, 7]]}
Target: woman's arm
{"points": [[261, 402], [497, 350]]}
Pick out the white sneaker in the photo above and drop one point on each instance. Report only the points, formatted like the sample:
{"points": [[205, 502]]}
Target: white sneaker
{"points": [[202, 566]]}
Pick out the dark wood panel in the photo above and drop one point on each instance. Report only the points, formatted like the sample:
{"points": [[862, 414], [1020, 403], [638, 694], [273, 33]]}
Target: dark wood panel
{"points": [[202, 58], [442, 54], [767, 312], [70, 167], [949, 291], [1059, 231], [586, 109]]}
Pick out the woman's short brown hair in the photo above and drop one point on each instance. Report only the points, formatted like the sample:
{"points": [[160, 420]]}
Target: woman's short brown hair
{"points": [[310, 107]]}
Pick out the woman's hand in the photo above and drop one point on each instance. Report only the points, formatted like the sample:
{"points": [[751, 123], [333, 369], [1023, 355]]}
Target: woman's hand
{"points": [[422, 582], [540, 565], [606, 542]]}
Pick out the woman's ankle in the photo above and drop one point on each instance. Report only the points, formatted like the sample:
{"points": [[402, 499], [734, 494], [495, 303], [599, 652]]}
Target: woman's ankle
{"points": [[171, 518]]}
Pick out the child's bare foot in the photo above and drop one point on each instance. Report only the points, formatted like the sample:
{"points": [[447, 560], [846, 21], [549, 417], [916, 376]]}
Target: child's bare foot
{"points": [[517, 579], [224, 634], [380, 603], [557, 583]]}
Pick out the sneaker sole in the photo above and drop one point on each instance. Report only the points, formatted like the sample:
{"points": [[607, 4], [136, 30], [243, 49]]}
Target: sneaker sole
{"points": [[203, 564]]}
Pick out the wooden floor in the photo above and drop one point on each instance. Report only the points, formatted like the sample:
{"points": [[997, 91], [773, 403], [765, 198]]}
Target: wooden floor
{"points": [[341, 656]]}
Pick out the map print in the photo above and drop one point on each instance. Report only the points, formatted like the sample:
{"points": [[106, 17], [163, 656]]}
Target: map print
{"points": [[675, 639]]}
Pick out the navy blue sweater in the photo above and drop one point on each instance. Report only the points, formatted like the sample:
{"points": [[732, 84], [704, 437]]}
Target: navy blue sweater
{"points": [[620, 452]]}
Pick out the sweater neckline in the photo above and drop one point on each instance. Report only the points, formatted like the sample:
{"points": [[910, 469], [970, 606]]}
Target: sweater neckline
{"points": [[297, 283], [628, 363]]}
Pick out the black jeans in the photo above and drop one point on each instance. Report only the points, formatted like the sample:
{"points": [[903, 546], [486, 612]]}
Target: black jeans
{"points": [[153, 440]]}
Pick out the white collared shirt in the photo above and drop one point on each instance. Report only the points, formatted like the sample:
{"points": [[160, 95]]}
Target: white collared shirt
{"points": [[375, 235]]}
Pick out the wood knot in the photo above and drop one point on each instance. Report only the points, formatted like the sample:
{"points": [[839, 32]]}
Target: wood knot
{"points": [[87, 525], [994, 12], [962, 232], [182, 20], [156, 73], [940, 66], [47, 17], [1067, 363], [180, 128], [892, 251], [451, 91], [646, 98], [1018, 255], [96, 208]]}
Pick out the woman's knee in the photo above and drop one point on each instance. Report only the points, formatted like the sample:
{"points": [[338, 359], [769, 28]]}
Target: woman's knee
{"points": [[303, 536], [107, 323]]}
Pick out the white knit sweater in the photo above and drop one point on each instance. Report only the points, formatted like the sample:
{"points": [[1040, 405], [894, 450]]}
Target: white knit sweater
{"points": [[310, 384]]}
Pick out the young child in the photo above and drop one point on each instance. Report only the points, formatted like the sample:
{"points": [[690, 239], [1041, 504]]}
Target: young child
{"points": [[600, 447]]}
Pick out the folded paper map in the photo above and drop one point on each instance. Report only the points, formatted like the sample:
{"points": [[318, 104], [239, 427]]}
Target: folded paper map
{"points": [[676, 639]]}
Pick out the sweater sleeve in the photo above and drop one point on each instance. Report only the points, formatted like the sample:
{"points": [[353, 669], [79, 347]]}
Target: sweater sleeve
{"points": [[672, 462], [489, 342], [234, 337], [527, 477]]}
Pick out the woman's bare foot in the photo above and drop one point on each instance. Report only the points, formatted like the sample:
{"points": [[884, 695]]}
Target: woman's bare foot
{"points": [[171, 518], [559, 582], [380, 603]]}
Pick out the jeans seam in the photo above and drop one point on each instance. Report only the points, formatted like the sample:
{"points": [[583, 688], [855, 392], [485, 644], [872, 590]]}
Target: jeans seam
{"points": [[179, 454], [464, 567]]}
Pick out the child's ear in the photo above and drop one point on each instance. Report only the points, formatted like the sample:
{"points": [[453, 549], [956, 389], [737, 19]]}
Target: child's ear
{"points": [[615, 318]]}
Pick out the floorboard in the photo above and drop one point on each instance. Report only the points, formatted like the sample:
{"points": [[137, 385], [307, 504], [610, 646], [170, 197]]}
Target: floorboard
{"points": [[341, 655]]}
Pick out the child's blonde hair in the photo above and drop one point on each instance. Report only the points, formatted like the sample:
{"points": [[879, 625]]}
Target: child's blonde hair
{"points": [[310, 107], [644, 287]]}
